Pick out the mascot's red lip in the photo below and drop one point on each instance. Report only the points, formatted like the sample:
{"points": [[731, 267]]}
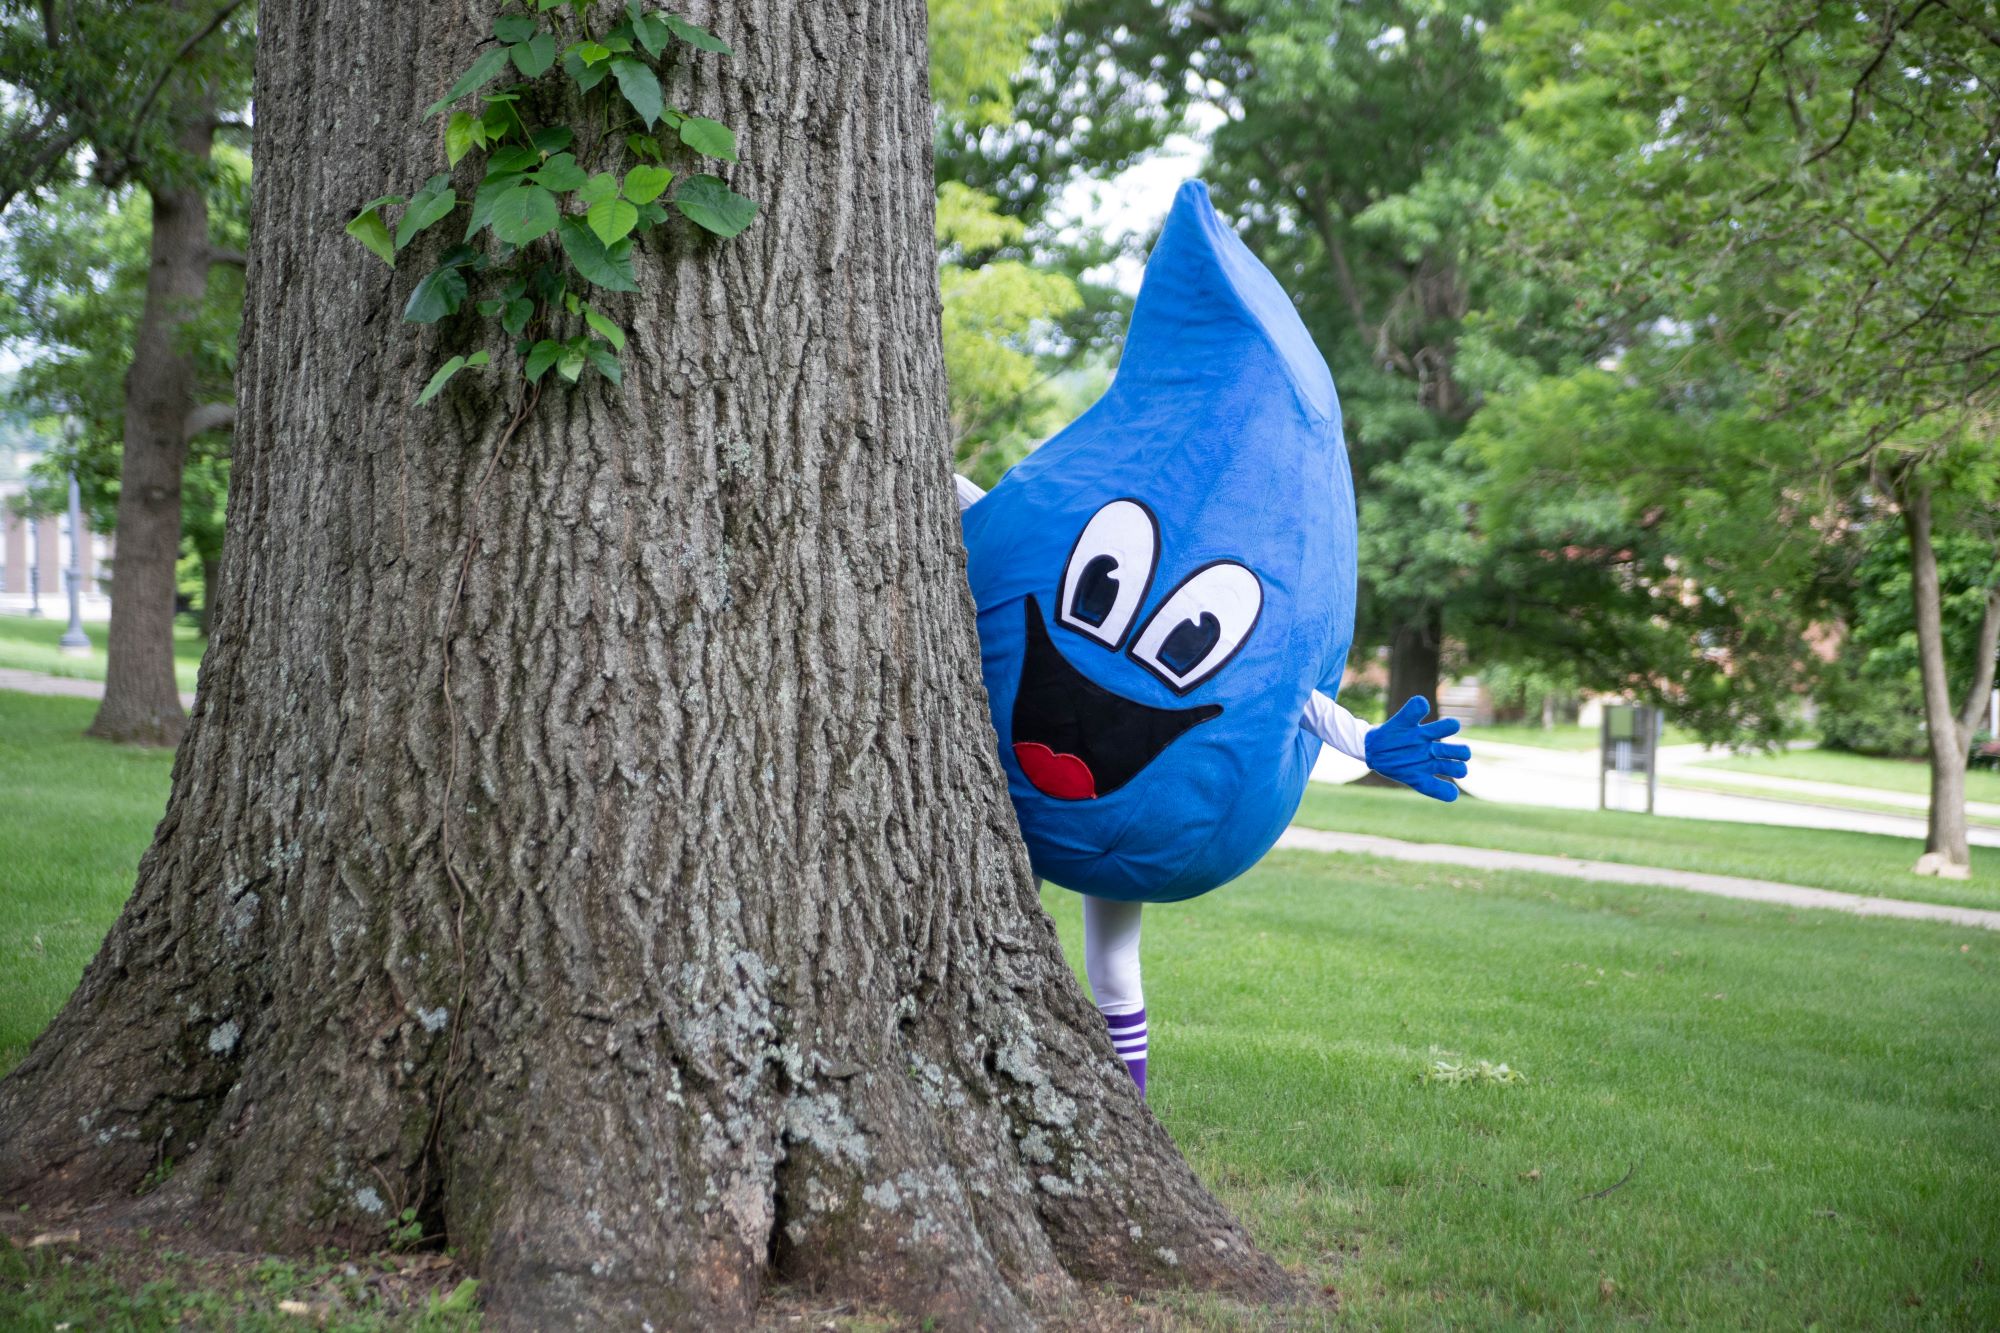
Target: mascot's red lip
{"points": [[1062, 776]]}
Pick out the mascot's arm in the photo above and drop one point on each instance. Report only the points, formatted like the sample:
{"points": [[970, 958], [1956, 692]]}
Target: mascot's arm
{"points": [[968, 494], [1336, 726]]}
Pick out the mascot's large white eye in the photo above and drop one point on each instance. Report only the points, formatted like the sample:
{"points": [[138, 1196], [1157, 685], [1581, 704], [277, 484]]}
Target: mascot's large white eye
{"points": [[1200, 625], [1108, 572]]}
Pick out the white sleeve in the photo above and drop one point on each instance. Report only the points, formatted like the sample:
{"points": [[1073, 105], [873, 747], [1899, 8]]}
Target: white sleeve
{"points": [[968, 494], [1336, 726]]}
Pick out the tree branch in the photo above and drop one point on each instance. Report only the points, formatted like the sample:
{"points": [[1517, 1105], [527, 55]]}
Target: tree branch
{"points": [[1861, 84], [219, 255], [1982, 674], [209, 416], [167, 72]]}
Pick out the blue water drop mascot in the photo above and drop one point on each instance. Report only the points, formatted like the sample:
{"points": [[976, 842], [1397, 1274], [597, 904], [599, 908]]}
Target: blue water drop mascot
{"points": [[1166, 598]]}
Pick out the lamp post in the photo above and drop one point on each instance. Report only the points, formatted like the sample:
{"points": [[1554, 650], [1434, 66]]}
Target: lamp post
{"points": [[34, 567], [74, 640]]}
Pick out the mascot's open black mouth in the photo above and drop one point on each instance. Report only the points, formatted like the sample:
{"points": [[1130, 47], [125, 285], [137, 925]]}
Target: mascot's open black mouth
{"points": [[1076, 740]]}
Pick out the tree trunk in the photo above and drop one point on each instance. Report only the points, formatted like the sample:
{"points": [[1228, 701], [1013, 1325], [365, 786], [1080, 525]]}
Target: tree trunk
{"points": [[1416, 649], [1945, 848], [690, 945], [142, 699], [211, 588]]}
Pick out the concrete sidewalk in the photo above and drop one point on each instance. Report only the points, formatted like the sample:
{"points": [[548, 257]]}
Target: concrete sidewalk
{"points": [[34, 682], [1721, 886]]}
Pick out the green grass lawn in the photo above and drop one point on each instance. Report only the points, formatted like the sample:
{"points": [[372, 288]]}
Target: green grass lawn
{"points": [[31, 645], [1806, 1102], [78, 815], [1856, 770], [1680, 781], [1851, 862]]}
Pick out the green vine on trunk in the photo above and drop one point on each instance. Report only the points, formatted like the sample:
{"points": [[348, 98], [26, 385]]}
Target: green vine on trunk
{"points": [[562, 204]]}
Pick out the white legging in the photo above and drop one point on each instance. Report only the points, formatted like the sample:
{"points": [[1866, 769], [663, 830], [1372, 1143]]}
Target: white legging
{"points": [[1111, 954]]}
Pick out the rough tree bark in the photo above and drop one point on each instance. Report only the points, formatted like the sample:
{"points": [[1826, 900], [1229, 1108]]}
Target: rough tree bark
{"points": [[142, 700], [1950, 727], [745, 977]]}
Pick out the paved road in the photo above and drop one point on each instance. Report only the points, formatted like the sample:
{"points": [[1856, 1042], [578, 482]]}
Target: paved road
{"points": [[1722, 886], [1531, 775]]}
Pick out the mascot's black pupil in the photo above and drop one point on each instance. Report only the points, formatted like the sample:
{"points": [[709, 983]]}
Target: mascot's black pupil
{"points": [[1096, 591], [1189, 643]]}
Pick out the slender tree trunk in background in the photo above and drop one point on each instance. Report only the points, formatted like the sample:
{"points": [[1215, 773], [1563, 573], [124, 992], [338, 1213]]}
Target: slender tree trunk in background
{"points": [[142, 701], [1416, 650], [746, 979], [1945, 848]]}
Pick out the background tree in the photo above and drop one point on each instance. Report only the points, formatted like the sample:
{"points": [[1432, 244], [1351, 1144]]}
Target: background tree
{"points": [[77, 278], [589, 834], [1806, 189], [1023, 331], [137, 93]]}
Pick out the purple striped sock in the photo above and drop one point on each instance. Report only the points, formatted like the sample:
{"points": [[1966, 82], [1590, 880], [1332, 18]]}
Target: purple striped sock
{"points": [[1128, 1038]]}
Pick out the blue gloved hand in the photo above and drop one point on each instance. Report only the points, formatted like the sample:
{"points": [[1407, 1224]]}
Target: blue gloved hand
{"points": [[1410, 750]]}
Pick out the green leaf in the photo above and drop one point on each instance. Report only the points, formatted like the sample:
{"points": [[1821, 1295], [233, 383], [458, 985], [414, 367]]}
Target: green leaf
{"points": [[641, 88], [447, 370], [515, 158], [612, 220], [544, 354], [460, 1300], [513, 28], [651, 33], [645, 184], [534, 56], [610, 267], [483, 69], [651, 215], [524, 213], [710, 137], [696, 35], [606, 362], [643, 146], [561, 174], [490, 308], [440, 293], [462, 134], [592, 53], [516, 316], [553, 138], [603, 325], [586, 76], [598, 188], [369, 229], [427, 206], [489, 194], [437, 381], [707, 202], [618, 41], [571, 364]]}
